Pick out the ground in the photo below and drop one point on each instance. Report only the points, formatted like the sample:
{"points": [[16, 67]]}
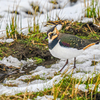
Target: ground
{"points": [[23, 49]]}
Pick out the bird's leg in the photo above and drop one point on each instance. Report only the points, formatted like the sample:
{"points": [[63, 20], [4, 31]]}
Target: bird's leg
{"points": [[64, 65], [74, 62]]}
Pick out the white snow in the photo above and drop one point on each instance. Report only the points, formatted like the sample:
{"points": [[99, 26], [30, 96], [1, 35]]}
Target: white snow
{"points": [[46, 97], [74, 12], [14, 62], [29, 88], [81, 87]]}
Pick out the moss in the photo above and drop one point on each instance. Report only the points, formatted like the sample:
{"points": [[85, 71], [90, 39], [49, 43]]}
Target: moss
{"points": [[38, 60]]}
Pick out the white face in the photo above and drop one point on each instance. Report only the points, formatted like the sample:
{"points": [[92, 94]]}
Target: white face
{"points": [[51, 36]]}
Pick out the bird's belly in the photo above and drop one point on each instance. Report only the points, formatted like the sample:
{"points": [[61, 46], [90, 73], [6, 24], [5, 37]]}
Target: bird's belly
{"points": [[64, 52]]}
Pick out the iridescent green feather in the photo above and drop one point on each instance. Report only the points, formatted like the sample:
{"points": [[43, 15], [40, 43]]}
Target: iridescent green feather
{"points": [[68, 40]]}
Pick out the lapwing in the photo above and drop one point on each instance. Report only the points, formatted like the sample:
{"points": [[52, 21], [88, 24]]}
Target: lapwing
{"points": [[66, 46]]}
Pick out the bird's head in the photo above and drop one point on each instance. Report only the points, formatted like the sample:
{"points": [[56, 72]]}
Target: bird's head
{"points": [[52, 33]]}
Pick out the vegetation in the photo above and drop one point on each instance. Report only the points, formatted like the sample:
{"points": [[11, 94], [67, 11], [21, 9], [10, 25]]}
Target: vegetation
{"points": [[11, 30], [93, 9], [54, 1], [83, 30], [38, 60], [66, 89]]}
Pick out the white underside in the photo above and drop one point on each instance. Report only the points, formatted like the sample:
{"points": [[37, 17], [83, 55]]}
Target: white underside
{"points": [[64, 53]]}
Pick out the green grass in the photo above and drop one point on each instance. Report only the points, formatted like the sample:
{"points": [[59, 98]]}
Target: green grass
{"points": [[38, 60], [92, 10], [11, 30]]}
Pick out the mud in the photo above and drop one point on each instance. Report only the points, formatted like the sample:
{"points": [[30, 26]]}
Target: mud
{"points": [[22, 51]]}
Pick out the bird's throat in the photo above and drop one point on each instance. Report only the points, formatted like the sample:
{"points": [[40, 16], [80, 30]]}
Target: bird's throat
{"points": [[52, 44]]}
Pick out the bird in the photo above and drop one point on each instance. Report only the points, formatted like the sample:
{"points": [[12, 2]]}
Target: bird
{"points": [[66, 46]]}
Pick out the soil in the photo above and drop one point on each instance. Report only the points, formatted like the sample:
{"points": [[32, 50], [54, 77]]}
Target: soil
{"points": [[22, 51], [82, 29]]}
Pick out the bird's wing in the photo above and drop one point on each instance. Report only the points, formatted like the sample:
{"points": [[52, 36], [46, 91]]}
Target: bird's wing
{"points": [[68, 40]]}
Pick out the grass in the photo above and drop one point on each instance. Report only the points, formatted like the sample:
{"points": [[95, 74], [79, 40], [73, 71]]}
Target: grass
{"points": [[32, 40], [92, 9], [94, 63], [35, 7], [82, 30], [3, 49], [11, 85], [54, 1], [11, 30], [38, 60]]}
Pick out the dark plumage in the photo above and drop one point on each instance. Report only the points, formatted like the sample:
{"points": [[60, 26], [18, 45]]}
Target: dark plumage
{"points": [[53, 43], [68, 40], [51, 29]]}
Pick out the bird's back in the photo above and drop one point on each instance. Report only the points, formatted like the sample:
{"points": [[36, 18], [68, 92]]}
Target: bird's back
{"points": [[68, 40]]}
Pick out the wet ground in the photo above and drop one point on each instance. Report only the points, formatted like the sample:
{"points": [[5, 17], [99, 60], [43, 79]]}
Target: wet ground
{"points": [[22, 50]]}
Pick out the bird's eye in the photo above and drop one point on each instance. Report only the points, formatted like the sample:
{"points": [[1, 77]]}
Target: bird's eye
{"points": [[51, 35]]}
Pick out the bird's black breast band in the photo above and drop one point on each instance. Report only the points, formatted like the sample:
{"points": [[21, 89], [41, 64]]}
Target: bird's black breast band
{"points": [[53, 43]]}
